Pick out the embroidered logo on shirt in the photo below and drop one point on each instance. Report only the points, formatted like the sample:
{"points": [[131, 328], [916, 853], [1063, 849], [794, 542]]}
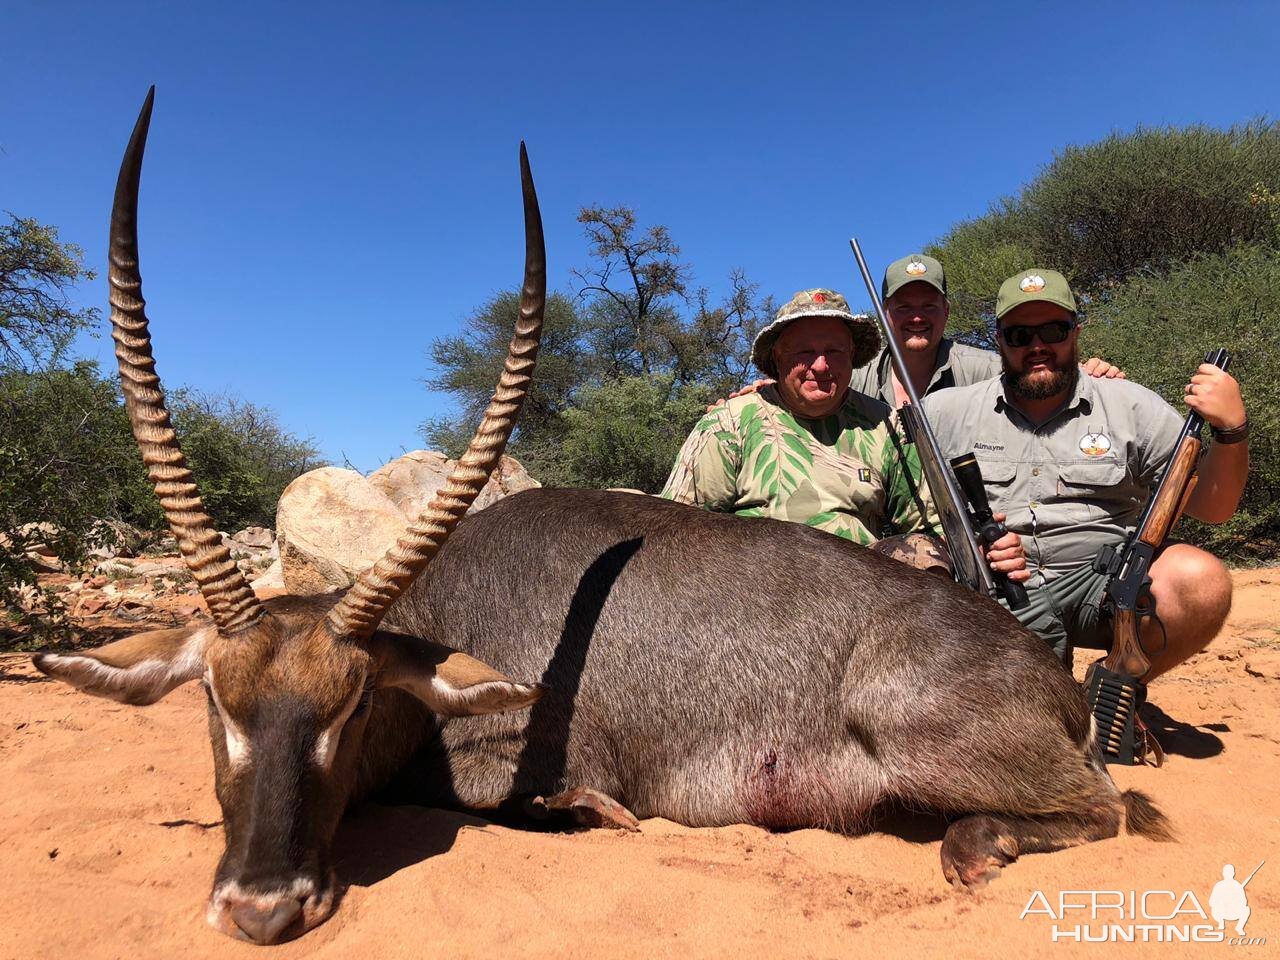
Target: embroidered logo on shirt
{"points": [[1032, 284], [916, 269], [1095, 444], [864, 475], [993, 447]]}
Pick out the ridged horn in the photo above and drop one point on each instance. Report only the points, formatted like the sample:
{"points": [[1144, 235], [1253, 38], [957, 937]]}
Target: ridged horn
{"points": [[358, 613], [231, 601]]}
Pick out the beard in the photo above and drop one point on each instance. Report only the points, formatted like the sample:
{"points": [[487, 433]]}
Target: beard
{"points": [[1041, 384], [916, 341]]}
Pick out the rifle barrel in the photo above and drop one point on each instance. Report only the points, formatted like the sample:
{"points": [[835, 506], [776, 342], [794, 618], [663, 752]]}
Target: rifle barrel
{"points": [[928, 447]]}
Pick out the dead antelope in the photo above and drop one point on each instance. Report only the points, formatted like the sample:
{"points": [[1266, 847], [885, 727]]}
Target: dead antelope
{"points": [[704, 668]]}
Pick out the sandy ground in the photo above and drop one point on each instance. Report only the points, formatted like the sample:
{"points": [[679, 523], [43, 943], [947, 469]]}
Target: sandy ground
{"points": [[109, 834]]}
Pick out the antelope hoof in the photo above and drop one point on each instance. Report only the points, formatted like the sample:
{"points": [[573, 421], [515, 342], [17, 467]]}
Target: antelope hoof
{"points": [[589, 808], [974, 851]]}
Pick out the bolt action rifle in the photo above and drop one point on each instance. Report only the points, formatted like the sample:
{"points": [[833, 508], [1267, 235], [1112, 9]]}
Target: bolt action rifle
{"points": [[1113, 684], [957, 487]]}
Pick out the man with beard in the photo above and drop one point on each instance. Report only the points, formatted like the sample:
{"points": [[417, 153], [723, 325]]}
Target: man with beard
{"points": [[1072, 460], [914, 291]]}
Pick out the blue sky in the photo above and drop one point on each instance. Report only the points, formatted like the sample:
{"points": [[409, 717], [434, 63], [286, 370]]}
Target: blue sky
{"points": [[328, 187]]}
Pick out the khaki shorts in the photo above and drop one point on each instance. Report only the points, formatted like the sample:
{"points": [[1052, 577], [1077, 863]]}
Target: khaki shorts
{"points": [[1066, 612]]}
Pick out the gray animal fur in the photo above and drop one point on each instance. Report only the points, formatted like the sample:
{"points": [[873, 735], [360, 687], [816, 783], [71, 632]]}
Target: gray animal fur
{"points": [[713, 670]]}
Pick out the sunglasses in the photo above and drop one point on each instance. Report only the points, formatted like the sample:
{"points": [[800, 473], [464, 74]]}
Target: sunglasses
{"points": [[1055, 331]]}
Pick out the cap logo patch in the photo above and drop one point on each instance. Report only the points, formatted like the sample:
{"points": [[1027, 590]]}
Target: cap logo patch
{"points": [[1032, 284], [819, 298], [1095, 444], [916, 268]]}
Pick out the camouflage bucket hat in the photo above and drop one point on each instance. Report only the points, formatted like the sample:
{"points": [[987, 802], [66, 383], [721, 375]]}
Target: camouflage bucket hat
{"points": [[1031, 285], [817, 303], [916, 267]]}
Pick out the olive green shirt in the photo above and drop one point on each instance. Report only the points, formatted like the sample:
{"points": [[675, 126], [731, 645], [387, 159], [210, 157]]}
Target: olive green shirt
{"points": [[845, 474], [1073, 483], [958, 366]]}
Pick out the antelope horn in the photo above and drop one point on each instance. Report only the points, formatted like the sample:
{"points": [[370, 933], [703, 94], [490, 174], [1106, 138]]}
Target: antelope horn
{"points": [[358, 613], [231, 601]]}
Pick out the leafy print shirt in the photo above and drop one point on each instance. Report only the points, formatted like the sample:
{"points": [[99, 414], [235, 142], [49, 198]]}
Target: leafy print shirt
{"points": [[849, 473]]}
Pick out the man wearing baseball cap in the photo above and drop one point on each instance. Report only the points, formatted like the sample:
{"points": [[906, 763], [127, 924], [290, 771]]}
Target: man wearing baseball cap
{"points": [[914, 292], [1072, 460], [809, 449]]}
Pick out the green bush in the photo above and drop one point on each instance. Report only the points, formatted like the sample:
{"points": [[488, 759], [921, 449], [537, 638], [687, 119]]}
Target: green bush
{"points": [[1129, 205], [241, 457], [67, 460], [1159, 327], [626, 433]]}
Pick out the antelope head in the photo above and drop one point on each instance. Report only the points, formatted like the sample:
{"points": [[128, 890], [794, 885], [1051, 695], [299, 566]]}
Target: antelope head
{"points": [[290, 681]]}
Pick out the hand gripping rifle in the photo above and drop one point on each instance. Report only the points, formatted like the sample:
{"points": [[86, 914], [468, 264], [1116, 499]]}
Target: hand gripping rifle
{"points": [[1113, 684], [954, 493]]}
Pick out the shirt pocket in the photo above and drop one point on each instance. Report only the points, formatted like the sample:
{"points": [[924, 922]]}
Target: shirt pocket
{"points": [[998, 478], [1093, 490]]}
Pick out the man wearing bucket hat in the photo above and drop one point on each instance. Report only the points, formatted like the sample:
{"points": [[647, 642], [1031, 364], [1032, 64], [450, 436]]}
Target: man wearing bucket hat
{"points": [[1072, 460], [809, 449], [914, 292]]}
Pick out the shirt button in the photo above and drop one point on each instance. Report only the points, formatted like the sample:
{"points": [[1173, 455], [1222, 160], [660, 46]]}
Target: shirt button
{"points": [[1035, 472]]}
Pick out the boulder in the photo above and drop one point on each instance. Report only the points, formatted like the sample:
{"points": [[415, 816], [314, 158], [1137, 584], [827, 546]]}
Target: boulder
{"points": [[331, 524], [121, 539], [35, 538], [260, 537], [43, 560], [412, 480], [271, 579], [114, 567]]}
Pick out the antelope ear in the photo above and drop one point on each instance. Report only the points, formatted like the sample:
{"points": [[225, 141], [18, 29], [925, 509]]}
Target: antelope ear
{"points": [[137, 670], [448, 681]]}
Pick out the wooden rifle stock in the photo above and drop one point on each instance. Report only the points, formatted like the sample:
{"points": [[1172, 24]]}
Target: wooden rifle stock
{"points": [[1161, 516], [1113, 684]]}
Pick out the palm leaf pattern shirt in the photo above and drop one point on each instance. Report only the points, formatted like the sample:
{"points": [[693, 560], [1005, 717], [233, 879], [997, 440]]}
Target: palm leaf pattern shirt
{"points": [[849, 473]]}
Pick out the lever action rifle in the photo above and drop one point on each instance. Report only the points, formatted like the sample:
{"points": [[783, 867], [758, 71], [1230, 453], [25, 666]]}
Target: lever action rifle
{"points": [[1113, 684], [968, 559]]}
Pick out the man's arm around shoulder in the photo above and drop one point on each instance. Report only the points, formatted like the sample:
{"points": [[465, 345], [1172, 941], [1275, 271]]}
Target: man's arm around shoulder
{"points": [[705, 473]]}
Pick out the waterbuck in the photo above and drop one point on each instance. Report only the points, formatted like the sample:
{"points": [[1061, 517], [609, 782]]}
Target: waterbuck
{"points": [[704, 668]]}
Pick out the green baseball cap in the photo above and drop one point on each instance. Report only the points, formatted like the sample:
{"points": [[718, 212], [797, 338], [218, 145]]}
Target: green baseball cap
{"points": [[818, 302], [910, 269], [1031, 285]]}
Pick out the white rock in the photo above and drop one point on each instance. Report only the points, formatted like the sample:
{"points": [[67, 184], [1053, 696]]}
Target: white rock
{"points": [[412, 480], [332, 524], [255, 537], [272, 578]]}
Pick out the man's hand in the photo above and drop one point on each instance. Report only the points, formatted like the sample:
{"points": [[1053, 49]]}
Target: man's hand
{"points": [[1008, 556], [750, 388], [1097, 367], [1215, 395]]}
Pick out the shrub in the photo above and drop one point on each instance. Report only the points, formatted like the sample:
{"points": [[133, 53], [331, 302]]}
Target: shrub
{"points": [[1159, 327]]}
